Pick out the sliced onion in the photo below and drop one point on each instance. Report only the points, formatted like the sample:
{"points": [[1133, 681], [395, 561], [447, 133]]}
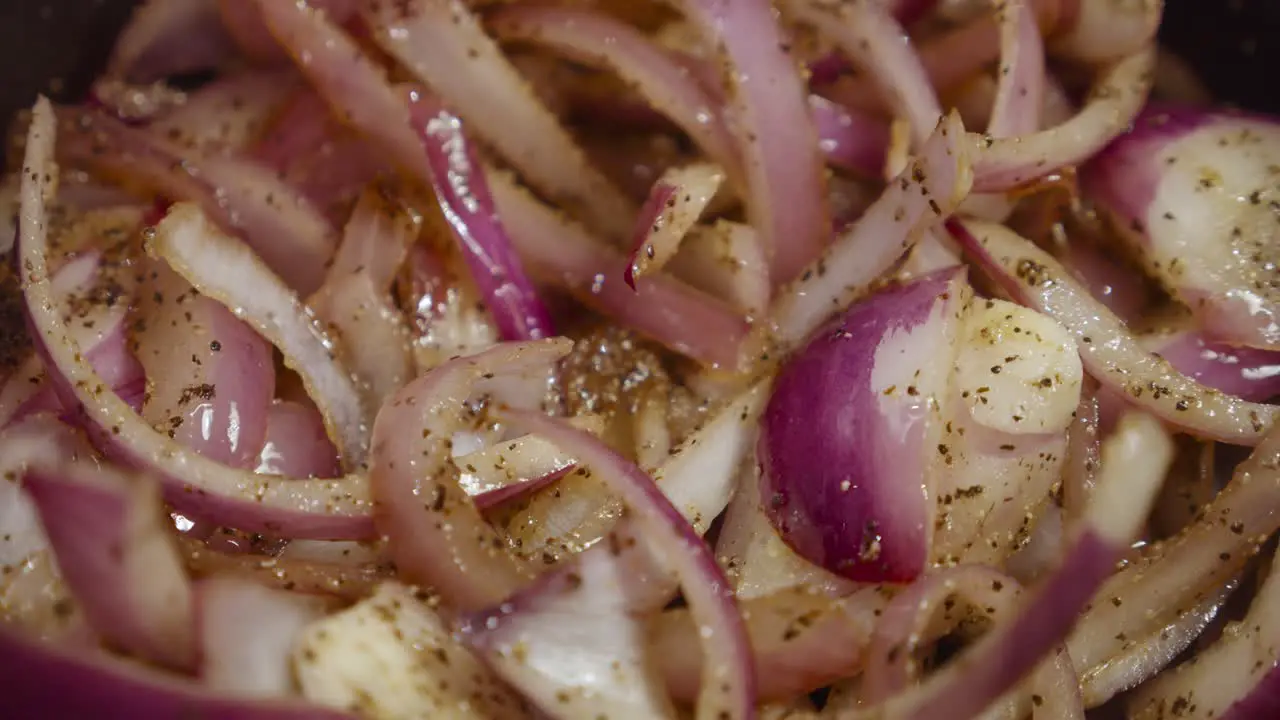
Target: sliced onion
{"points": [[511, 468], [849, 436], [1236, 669], [370, 334], [227, 115], [391, 656], [1109, 351], [1020, 89], [1113, 284], [683, 319], [245, 25], [227, 271], [676, 202], [432, 39], [874, 40], [726, 260], [755, 559], [925, 193], [330, 576], [802, 640], [211, 377], [296, 444], [247, 633], [597, 40], [241, 196], [551, 638], [1081, 469], [1179, 575], [455, 172], [728, 674], [164, 38], [1097, 31], [105, 527], [1115, 100], [1190, 190], [849, 139], [205, 488], [1134, 461], [38, 675], [768, 114], [376, 239], [910, 621], [698, 477], [1141, 659], [445, 310], [437, 536], [1243, 372]]}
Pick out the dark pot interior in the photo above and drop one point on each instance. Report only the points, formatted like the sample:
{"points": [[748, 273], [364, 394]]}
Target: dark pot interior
{"points": [[55, 46]]}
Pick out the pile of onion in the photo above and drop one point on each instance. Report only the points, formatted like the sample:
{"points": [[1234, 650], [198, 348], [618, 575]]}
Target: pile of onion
{"points": [[728, 360]]}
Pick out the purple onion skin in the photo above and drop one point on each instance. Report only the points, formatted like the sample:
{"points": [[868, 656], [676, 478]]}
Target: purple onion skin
{"points": [[1123, 177], [1263, 701], [844, 459]]}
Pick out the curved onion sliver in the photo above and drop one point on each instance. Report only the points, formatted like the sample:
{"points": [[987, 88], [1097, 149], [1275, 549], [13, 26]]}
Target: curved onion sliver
{"points": [[1109, 351], [308, 508]]}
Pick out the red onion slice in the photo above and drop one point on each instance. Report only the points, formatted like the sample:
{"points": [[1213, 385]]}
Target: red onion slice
{"points": [[726, 260], [432, 38], [243, 197], [437, 536], [247, 633], [802, 640], [1109, 351], [728, 676], [510, 468], [447, 317], [296, 444], [925, 193], [1243, 372], [227, 271], [455, 172], [211, 377], [192, 483], [376, 239], [676, 202], [114, 552], [1115, 100], [551, 638], [676, 315], [849, 139], [391, 656], [246, 27], [38, 674], [848, 439], [1180, 574], [1134, 462], [1020, 89], [1097, 31], [370, 334], [1229, 679], [597, 40], [874, 40], [768, 114], [1191, 192], [164, 38], [756, 560], [226, 115]]}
